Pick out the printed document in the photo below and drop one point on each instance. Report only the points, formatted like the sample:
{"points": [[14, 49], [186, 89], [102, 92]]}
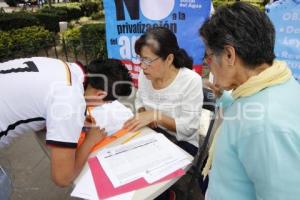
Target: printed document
{"points": [[152, 157], [86, 189]]}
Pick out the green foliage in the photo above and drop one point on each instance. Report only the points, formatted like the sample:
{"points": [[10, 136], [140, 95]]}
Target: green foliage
{"points": [[93, 39], [98, 15], [69, 5], [49, 21], [11, 3], [63, 13], [6, 45], [9, 21], [89, 39], [72, 40], [23, 42], [218, 3], [60, 13], [29, 38], [72, 12], [258, 3], [72, 34], [47, 17], [89, 7]]}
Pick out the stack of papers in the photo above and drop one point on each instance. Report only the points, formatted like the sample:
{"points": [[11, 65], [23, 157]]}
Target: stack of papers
{"points": [[111, 116], [116, 172], [105, 189], [86, 189], [151, 157]]}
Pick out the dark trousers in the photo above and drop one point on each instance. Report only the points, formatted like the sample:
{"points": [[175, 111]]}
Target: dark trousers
{"points": [[191, 149]]}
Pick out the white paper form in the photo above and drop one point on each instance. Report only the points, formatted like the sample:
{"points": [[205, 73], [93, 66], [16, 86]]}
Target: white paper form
{"points": [[157, 173], [86, 189], [111, 116], [146, 156]]}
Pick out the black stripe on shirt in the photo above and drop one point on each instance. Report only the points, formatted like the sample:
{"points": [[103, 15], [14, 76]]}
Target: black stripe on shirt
{"points": [[61, 144], [14, 125]]}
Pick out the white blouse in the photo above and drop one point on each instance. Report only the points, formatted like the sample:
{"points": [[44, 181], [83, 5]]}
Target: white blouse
{"points": [[182, 100]]}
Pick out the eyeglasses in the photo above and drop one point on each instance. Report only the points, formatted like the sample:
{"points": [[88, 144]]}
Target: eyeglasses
{"points": [[147, 61], [208, 58]]}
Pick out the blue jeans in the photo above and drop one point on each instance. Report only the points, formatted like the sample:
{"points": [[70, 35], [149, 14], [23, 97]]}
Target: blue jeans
{"points": [[5, 185]]}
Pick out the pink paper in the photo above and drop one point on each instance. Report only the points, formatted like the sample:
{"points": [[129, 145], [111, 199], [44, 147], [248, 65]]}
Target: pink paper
{"points": [[106, 189]]}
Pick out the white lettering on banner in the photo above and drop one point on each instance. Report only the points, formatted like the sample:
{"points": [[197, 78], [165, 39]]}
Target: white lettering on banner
{"points": [[189, 4], [287, 55], [183, 5], [187, 1], [294, 66], [291, 42], [133, 40], [293, 16], [292, 29], [156, 9], [125, 50], [139, 27]]}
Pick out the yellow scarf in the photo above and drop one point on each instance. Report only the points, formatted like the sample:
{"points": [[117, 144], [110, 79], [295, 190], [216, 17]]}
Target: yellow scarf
{"points": [[278, 73]]}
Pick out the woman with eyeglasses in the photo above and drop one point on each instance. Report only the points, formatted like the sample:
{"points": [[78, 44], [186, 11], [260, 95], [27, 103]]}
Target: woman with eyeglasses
{"points": [[255, 154], [169, 98]]}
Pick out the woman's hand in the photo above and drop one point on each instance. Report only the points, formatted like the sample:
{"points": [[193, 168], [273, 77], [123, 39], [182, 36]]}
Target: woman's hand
{"points": [[140, 120], [153, 125]]}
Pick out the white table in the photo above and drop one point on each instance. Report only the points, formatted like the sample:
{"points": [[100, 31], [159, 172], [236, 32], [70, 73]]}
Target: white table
{"points": [[149, 192]]}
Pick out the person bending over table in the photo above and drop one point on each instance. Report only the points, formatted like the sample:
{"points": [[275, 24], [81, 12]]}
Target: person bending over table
{"points": [[169, 94], [38, 92]]}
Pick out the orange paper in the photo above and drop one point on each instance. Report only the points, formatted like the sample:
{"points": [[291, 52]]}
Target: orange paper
{"points": [[105, 141]]}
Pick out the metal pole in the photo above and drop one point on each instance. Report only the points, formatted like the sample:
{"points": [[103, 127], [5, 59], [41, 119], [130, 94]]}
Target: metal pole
{"points": [[65, 48]]}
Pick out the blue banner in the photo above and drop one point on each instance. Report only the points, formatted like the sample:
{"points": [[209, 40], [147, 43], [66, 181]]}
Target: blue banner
{"points": [[285, 15], [126, 20]]}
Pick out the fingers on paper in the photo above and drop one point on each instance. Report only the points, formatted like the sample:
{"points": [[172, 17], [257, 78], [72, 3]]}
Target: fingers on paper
{"points": [[133, 125]]}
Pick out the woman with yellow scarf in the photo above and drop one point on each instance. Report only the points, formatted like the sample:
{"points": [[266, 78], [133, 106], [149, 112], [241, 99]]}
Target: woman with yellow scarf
{"points": [[255, 153]]}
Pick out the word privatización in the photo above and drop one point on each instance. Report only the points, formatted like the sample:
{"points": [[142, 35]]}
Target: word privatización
{"points": [[142, 28]]}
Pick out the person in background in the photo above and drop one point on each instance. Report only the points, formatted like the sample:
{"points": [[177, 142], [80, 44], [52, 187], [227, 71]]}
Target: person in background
{"points": [[43, 92], [169, 96], [255, 153]]}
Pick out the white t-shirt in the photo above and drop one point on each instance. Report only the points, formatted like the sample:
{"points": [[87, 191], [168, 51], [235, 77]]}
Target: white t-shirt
{"points": [[181, 100], [38, 92]]}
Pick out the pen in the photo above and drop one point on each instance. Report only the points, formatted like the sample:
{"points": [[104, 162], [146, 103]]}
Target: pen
{"points": [[132, 136], [89, 112]]}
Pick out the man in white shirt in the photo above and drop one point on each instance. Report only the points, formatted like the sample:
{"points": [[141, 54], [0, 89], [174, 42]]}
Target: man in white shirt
{"points": [[38, 92]]}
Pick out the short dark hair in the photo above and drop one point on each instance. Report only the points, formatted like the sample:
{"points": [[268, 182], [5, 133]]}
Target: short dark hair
{"points": [[167, 44], [246, 28], [114, 71]]}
